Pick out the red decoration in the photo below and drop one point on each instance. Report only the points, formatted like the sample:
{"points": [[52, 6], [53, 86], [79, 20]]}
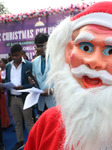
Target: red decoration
{"points": [[42, 12]]}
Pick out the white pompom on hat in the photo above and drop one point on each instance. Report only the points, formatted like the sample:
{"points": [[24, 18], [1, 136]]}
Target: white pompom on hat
{"points": [[99, 14]]}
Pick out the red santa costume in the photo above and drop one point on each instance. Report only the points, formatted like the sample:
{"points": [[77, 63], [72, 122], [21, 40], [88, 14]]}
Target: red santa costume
{"points": [[50, 132], [81, 116]]}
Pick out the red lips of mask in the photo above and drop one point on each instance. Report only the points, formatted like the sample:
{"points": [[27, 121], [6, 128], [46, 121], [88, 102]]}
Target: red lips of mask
{"points": [[91, 82]]}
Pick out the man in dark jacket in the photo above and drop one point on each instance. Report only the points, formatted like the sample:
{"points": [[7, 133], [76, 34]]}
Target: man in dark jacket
{"points": [[16, 73]]}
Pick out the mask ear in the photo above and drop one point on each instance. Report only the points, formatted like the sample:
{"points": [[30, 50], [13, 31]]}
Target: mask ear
{"points": [[68, 51]]}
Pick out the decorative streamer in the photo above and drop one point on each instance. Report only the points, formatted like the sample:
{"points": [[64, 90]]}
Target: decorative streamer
{"points": [[43, 12]]}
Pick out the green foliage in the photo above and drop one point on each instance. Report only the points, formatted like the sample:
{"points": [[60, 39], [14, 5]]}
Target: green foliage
{"points": [[3, 9]]}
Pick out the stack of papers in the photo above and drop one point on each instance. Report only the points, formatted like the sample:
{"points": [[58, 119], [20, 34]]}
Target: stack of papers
{"points": [[31, 98]]}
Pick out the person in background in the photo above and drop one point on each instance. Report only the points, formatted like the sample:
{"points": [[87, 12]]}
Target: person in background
{"points": [[80, 51], [4, 110], [3, 62], [40, 68], [16, 73], [3, 116]]}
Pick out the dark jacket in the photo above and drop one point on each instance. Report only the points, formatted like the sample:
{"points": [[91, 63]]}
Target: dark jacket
{"points": [[24, 81]]}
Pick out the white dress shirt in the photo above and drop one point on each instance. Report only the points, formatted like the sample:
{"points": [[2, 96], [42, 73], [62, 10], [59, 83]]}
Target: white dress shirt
{"points": [[15, 76]]}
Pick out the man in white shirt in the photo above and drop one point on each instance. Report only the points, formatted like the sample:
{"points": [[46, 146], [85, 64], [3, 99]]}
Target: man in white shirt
{"points": [[16, 73]]}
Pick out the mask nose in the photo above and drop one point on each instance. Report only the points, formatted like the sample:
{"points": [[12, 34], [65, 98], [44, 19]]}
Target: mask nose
{"points": [[95, 61]]}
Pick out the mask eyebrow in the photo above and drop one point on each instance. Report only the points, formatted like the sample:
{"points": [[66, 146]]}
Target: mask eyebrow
{"points": [[108, 41], [84, 37]]}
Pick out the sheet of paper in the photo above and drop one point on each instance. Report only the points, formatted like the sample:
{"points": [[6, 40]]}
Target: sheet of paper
{"points": [[31, 98], [8, 85], [31, 90]]}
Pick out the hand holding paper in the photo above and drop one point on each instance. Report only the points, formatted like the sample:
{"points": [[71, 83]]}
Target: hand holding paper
{"points": [[31, 98], [8, 85]]}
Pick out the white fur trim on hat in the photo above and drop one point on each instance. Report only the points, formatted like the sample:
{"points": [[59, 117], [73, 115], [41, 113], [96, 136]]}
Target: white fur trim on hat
{"points": [[103, 19]]}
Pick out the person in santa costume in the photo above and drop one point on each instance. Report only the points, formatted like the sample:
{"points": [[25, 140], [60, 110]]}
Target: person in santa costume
{"points": [[80, 51]]}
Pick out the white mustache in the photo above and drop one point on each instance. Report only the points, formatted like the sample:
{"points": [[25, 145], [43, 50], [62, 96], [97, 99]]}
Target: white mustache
{"points": [[82, 70]]}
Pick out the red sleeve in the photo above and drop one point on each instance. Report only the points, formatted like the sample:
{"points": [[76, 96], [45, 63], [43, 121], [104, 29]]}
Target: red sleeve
{"points": [[43, 134]]}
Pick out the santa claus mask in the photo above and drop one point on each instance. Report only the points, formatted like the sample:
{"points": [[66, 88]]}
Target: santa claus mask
{"points": [[91, 46]]}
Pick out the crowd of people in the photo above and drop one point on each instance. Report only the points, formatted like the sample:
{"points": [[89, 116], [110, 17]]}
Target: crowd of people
{"points": [[14, 70], [74, 109]]}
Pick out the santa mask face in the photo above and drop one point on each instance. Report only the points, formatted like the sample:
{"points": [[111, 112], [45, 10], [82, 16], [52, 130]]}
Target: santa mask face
{"points": [[91, 46]]}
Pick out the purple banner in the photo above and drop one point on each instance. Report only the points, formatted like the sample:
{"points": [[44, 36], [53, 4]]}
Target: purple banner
{"points": [[24, 32]]}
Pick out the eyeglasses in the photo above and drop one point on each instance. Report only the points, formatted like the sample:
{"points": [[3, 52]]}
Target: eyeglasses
{"points": [[41, 45]]}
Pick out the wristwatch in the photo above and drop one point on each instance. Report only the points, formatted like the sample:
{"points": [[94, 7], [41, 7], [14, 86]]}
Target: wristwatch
{"points": [[51, 90]]}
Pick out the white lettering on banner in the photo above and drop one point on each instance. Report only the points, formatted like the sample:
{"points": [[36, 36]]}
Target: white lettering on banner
{"points": [[27, 48], [27, 34], [23, 34], [50, 29], [44, 30], [18, 35]]}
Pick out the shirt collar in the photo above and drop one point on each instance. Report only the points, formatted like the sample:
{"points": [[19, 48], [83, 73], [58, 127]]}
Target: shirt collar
{"points": [[23, 61]]}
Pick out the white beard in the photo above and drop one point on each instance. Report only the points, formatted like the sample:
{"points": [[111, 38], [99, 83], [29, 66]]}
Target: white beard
{"points": [[87, 114]]}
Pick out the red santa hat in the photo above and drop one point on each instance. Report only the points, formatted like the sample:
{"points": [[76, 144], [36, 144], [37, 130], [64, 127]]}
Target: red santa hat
{"points": [[99, 14]]}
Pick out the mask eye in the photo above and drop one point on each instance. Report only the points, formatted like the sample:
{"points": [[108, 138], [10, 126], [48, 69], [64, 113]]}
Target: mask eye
{"points": [[107, 51], [85, 46]]}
